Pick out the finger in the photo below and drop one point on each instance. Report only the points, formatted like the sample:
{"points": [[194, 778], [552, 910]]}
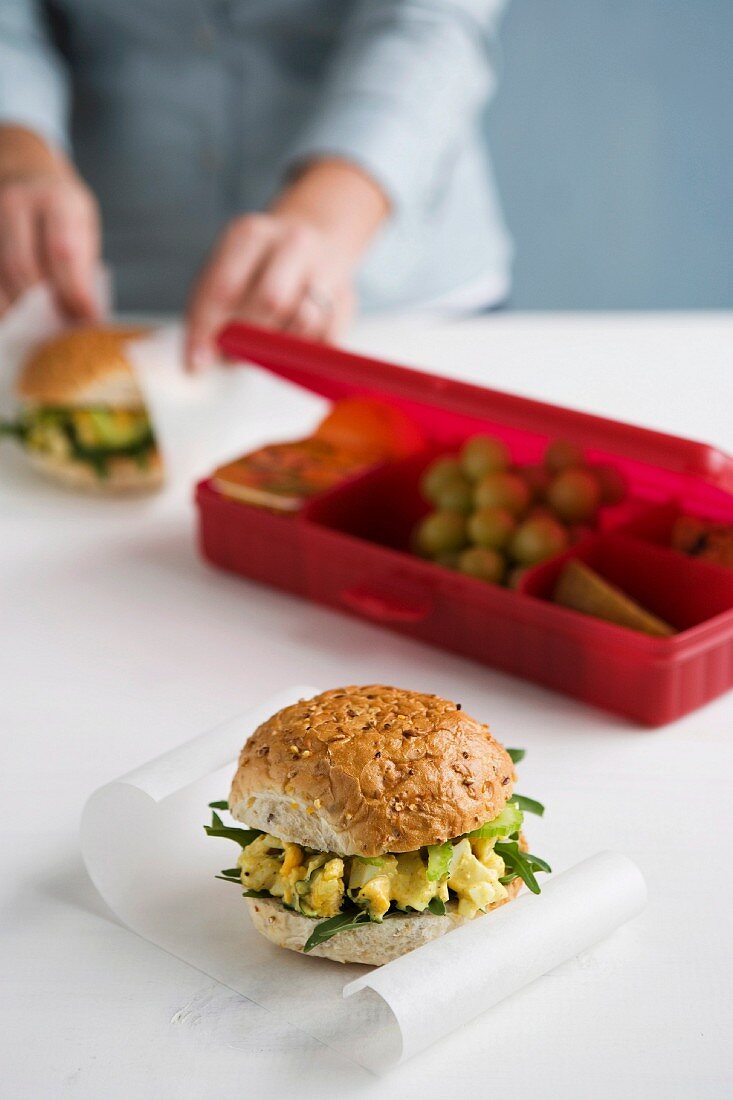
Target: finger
{"points": [[310, 319], [19, 268], [341, 316], [70, 244], [277, 288], [221, 286]]}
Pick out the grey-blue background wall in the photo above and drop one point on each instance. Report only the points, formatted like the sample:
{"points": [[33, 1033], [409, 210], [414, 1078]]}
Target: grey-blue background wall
{"points": [[612, 135]]}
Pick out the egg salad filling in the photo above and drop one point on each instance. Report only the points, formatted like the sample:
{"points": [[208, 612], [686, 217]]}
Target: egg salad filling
{"points": [[318, 884], [469, 873], [91, 435]]}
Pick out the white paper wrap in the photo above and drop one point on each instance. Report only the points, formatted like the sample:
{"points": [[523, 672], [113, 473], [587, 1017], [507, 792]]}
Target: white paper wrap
{"points": [[200, 418], [147, 853]]}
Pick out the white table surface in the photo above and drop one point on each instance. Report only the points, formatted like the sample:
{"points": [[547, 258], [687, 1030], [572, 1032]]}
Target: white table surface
{"points": [[118, 643]]}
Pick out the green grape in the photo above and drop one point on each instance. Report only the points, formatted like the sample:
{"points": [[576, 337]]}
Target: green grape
{"points": [[574, 495], [484, 564], [561, 455], [439, 474], [491, 528], [440, 532], [503, 490], [537, 539], [455, 496], [483, 454]]}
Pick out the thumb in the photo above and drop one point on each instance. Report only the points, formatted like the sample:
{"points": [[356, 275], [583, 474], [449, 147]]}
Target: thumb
{"points": [[205, 316], [211, 305], [219, 289]]}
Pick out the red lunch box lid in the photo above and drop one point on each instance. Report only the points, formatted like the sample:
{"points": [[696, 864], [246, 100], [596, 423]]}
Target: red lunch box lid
{"points": [[441, 405]]}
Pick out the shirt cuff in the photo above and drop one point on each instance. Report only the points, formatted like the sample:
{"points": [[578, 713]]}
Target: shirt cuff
{"points": [[50, 132], [33, 94], [373, 136]]}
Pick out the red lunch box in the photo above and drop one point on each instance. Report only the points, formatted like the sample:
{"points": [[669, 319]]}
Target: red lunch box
{"points": [[349, 548]]}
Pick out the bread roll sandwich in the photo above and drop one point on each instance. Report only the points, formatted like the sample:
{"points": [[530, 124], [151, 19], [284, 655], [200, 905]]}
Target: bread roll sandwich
{"points": [[375, 819], [82, 419]]}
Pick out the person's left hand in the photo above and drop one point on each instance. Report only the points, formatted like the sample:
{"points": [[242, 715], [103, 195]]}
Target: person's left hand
{"points": [[276, 270]]}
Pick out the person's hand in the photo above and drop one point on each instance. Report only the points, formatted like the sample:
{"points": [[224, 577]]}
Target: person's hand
{"points": [[49, 226], [293, 267], [274, 270]]}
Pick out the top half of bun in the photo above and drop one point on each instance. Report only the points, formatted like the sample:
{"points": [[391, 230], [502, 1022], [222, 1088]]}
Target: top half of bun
{"points": [[368, 770], [82, 367]]}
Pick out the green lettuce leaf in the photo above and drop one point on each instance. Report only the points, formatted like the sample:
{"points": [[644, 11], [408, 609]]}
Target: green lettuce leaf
{"points": [[437, 906], [231, 874], [520, 864], [14, 429], [342, 922], [528, 805], [242, 837], [517, 754]]}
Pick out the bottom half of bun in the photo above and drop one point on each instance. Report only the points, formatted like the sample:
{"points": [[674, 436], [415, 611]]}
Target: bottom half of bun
{"points": [[123, 474], [371, 944]]}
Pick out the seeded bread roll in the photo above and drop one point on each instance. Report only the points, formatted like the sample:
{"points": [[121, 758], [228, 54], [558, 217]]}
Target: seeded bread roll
{"points": [[369, 944], [368, 770], [83, 368]]}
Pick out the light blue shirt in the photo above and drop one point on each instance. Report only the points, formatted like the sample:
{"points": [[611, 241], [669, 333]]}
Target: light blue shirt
{"points": [[182, 114]]}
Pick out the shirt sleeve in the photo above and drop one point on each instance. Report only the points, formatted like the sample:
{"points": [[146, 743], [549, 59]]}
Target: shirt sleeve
{"points": [[408, 79], [34, 87]]}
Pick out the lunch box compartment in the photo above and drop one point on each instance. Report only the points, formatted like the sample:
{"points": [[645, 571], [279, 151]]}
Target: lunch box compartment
{"points": [[381, 506], [350, 548], [655, 524], [682, 591], [384, 505]]}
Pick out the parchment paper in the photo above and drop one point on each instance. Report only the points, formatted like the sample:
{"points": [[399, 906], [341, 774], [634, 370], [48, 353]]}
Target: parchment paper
{"points": [[147, 853], [200, 419]]}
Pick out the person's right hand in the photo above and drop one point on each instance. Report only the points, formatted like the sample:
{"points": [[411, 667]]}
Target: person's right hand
{"points": [[49, 226]]}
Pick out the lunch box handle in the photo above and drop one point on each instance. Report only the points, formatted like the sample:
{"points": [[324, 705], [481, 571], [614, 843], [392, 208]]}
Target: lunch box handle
{"points": [[383, 607]]}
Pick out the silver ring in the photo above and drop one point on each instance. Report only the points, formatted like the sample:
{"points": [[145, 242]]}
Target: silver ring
{"points": [[320, 299]]}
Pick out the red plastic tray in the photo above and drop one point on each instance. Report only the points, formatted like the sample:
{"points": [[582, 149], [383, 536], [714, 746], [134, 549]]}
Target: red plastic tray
{"points": [[348, 549]]}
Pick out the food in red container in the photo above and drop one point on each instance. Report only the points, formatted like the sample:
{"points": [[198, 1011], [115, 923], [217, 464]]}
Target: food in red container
{"points": [[712, 542], [366, 425], [284, 475], [515, 515], [583, 589], [355, 436]]}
